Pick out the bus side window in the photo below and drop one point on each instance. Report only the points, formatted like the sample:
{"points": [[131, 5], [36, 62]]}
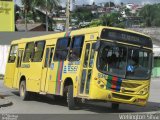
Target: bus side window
{"points": [[46, 58], [76, 48], [91, 62], [62, 49], [49, 55], [12, 54], [86, 55], [38, 51], [28, 52]]}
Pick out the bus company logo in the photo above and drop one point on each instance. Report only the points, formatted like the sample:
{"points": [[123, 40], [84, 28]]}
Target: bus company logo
{"points": [[100, 75], [74, 63], [25, 66], [70, 69]]}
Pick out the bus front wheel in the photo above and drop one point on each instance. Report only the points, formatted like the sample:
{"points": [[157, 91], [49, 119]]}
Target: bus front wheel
{"points": [[24, 94], [70, 98]]}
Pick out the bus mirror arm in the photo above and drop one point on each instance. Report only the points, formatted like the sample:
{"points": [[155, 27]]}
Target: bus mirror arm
{"points": [[98, 43]]}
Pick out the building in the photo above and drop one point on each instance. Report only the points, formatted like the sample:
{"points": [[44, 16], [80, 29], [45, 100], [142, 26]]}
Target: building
{"points": [[129, 6], [7, 15], [4, 49]]}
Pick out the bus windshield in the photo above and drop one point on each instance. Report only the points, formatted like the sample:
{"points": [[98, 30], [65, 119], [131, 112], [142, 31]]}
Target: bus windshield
{"points": [[124, 61]]}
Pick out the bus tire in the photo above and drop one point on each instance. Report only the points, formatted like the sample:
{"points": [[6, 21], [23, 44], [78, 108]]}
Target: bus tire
{"points": [[24, 94], [70, 98], [115, 106]]}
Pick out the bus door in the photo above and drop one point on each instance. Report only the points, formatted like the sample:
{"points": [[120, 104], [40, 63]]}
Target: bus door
{"points": [[10, 67], [87, 68], [47, 68], [17, 69]]}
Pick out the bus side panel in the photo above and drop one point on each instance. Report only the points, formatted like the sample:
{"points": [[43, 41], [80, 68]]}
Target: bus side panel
{"points": [[71, 72], [9, 75], [52, 78], [33, 76]]}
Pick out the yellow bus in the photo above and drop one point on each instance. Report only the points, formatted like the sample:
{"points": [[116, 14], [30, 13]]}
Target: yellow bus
{"points": [[100, 63]]}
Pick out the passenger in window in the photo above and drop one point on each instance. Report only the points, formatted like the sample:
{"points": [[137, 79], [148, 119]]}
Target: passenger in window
{"points": [[113, 61], [104, 59]]}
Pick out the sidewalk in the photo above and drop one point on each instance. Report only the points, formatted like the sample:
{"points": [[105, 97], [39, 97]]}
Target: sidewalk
{"points": [[155, 78], [4, 102]]}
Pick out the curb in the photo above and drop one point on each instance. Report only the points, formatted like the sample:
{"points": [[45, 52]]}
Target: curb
{"points": [[5, 102]]}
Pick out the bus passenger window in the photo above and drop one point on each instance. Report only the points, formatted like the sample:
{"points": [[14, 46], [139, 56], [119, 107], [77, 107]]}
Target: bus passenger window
{"points": [[46, 58], [86, 55], [62, 49], [12, 54], [91, 62], [76, 48], [28, 52], [51, 55], [38, 53]]}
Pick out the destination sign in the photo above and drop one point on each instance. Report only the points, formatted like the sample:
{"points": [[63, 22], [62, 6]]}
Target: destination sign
{"points": [[126, 37]]}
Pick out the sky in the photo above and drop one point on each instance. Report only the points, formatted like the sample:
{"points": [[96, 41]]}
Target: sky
{"points": [[101, 1]]}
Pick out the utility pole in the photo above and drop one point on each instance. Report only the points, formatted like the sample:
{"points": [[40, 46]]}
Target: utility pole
{"points": [[25, 15], [26, 28], [67, 15], [46, 16]]}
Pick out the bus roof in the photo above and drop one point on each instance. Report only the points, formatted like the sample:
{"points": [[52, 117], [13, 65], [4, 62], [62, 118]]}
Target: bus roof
{"points": [[74, 32]]}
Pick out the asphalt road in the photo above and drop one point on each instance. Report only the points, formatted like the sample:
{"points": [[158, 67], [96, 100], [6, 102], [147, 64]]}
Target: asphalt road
{"points": [[43, 105]]}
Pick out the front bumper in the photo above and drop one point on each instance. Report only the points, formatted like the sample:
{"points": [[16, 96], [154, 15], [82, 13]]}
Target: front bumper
{"points": [[107, 95]]}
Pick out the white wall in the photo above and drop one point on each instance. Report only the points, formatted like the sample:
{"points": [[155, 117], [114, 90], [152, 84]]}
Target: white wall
{"points": [[4, 50]]}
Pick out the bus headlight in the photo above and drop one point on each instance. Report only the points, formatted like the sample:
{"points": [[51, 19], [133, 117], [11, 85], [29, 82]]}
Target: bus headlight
{"points": [[143, 91]]}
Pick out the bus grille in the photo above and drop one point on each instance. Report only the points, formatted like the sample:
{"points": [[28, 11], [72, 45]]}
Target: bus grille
{"points": [[121, 96], [130, 85]]}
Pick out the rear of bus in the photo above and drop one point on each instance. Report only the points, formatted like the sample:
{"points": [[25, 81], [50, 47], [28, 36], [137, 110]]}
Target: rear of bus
{"points": [[122, 70]]}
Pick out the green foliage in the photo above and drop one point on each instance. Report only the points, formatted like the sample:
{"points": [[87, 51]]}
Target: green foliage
{"points": [[82, 14], [151, 15], [110, 19], [128, 12], [32, 13], [95, 23], [31, 4]]}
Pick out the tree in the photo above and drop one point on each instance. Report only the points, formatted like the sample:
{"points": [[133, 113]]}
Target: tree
{"points": [[31, 5], [94, 3], [109, 4], [122, 4], [95, 23], [147, 15], [16, 12], [110, 19], [151, 15], [128, 12], [82, 14]]}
